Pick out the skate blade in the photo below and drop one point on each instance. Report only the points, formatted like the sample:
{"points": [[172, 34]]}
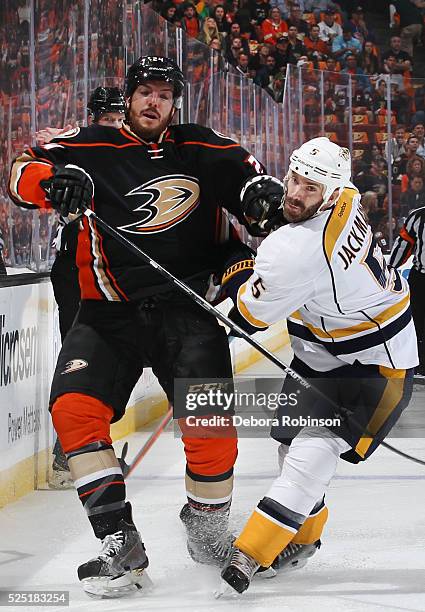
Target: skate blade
{"points": [[225, 591], [126, 585], [266, 574]]}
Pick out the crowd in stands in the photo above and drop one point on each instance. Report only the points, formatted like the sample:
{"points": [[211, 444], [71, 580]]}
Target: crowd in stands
{"points": [[260, 38], [255, 38]]}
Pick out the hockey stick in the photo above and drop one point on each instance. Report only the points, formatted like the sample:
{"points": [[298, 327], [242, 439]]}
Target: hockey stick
{"points": [[235, 329], [149, 442]]}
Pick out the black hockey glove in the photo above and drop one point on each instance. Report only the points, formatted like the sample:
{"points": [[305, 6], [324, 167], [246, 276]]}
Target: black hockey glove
{"points": [[69, 189], [261, 198]]}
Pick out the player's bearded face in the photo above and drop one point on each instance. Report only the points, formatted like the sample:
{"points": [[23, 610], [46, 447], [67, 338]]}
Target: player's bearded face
{"points": [[151, 109], [303, 198]]}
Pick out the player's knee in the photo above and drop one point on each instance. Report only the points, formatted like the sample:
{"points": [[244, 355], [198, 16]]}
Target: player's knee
{"points": [[80, 420]]}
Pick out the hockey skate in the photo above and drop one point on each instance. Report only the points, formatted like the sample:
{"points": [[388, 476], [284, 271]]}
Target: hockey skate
{"points": [[208, 539], [237, 573], [295, 556], [119, 569]]}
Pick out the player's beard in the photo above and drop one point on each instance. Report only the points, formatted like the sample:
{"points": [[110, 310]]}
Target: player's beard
{"points": [[148, 134], [301, 212]]}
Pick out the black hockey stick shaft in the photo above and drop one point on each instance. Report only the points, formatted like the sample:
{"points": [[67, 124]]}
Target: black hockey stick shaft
{"points": [[233, 326]]}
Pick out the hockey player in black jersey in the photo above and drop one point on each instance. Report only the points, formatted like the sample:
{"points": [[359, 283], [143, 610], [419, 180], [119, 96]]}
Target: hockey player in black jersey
{"points": [[106, 107], [165, 187]]}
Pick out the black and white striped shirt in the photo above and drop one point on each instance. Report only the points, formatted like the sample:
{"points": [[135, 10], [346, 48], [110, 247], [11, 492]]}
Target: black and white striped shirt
{"points": [[411, 240]]}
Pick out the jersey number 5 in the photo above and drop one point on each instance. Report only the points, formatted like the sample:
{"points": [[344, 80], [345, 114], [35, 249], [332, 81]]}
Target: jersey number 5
{"points": [[257, 288], [387, 278]]}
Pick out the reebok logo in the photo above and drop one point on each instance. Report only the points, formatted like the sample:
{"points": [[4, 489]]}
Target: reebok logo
{"points": [[75, 365]]}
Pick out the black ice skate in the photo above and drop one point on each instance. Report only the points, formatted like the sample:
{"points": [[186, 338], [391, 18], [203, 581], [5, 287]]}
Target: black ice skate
{"points": [[295, 556], [208, 539], [238, 572], [118, 570]]}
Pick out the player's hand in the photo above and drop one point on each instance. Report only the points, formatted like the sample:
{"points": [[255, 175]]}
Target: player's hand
{"points": [[261, 199], [69, 189], [44, 136]]}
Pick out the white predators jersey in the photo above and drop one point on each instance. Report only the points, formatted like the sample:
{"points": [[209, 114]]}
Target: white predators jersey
{"points": [[329, 279]]}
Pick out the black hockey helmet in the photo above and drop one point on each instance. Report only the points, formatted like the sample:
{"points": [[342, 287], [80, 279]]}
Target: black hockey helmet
{"points": [[153, 68], [106, 100]]}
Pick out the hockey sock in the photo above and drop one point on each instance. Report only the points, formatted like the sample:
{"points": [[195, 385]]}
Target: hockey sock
{"points": [[268, 531], [312, 528], [209, 493], [100, 485]]}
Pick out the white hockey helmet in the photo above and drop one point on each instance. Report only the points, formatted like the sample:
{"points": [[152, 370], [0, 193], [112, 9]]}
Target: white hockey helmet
{"points": [[323, 161]]}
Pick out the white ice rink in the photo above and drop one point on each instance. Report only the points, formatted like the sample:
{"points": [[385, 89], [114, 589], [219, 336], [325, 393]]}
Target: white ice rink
{"points": [[372, 558]]}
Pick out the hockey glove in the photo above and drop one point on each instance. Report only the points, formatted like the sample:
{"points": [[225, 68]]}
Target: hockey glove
{"points": [[69, 189], [261, 198], [238, 269]]}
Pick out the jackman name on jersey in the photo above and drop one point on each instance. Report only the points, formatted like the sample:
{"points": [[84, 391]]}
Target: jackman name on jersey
{"points": [[355, 240]]}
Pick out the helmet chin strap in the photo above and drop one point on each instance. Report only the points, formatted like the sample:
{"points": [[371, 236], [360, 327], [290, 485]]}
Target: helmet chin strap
{"points": [[326, 197]]}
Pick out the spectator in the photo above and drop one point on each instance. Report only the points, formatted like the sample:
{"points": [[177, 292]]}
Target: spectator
{"points": [[329, 28], [396, 146], [273, 27], [259, 60], [403, 61], [400, 163], [370, 208], [209, 31], [232, 54], [358, 25], [295, 44], [242, 63], [169, 11], [317, 49], [277, 86], [411, 22], [352, 68], [415, 167], [401, 104], [191, 22], [389, 65], [419, 105], [220, 18], [264, 75], [283, 53], [368, 59], [345, 44], [373, 178], [418, 130], [414, 197], [235, 32], [295, 19], [259, 10]]}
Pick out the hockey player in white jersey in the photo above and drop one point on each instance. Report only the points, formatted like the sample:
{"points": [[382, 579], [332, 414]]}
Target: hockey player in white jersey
{"points": [[351, 331]]}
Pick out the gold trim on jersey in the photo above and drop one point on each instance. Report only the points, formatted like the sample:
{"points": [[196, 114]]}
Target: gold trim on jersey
{"points": [[381, 318], [338, 220], [389, 401], [245, 312]]}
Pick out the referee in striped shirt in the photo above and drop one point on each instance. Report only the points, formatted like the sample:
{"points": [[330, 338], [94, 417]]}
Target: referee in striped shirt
{"points": [[412, 240]]}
